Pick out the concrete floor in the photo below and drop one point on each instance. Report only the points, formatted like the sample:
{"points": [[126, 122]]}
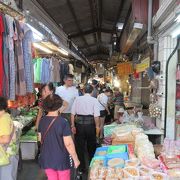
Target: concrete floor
{"points": [[31, 171]]}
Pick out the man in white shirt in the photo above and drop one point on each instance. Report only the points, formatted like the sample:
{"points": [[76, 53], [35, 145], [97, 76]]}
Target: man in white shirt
{"points": [[103, 106], [68, 93], [86, 125]]}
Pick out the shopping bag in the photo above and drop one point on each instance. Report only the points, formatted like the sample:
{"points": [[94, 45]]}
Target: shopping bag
{"points": [[77, 176], [4, 158]]}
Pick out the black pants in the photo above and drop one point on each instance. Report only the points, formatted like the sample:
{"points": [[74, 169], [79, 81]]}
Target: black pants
{"points": [[85, 135]]}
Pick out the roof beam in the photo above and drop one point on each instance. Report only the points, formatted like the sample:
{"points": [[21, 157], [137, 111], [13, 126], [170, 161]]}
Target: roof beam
{"points": [[92, 18], [119, 13], [100, 4], [93, 45], [76, 20], [90, 31], [126, 21]]}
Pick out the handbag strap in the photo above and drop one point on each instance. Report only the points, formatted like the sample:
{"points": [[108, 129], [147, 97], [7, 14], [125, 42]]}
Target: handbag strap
{"points": [[47, 130]]}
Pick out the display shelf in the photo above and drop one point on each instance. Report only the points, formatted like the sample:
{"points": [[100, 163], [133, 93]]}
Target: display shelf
{"points": [[155, 131]]}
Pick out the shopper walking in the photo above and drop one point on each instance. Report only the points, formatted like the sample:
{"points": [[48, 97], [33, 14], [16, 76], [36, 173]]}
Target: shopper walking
{"points": [[46, 90], [118, 100], [68, 93], [86, 125], [104, 110], [8, 171], [95, 88], [56, 141]]}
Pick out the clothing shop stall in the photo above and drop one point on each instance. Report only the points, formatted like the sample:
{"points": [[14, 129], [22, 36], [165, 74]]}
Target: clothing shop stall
{"points": [[26, 62]]}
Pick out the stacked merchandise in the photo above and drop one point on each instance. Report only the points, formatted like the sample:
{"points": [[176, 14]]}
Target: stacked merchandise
{"points": [[119, 162], [51, 70], [132, 157], [170, 158], [16, 74]]}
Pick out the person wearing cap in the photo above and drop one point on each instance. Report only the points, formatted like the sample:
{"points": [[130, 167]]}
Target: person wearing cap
{"points": [[86, 125], [121, 113], [95, 88]]}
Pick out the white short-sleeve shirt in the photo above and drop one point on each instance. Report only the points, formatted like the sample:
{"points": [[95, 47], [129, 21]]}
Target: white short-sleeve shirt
{"points": [[68, 94], [103, 101], [86, 105]]}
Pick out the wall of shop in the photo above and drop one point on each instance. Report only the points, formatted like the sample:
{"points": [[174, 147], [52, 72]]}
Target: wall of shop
{"points": [[166, 44]]}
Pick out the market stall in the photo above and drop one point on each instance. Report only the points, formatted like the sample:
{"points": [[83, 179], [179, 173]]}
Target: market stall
{"points": [[131, 156]]}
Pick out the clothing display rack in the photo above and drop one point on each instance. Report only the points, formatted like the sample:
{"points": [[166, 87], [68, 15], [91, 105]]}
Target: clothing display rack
{"points": [[10, 11]]}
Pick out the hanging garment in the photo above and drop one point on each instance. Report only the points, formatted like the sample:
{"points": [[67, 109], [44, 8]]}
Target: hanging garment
{"points": [[1, 54], [10, 24], [27, 57], [56, 70], [20, 73], [45, 73], [5, 59], [71, 69], [64, 70], [37, 70]]}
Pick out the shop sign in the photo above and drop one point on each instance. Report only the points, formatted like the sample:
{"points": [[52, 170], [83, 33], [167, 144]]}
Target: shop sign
{"points": [[143, 65], [124, 69]]}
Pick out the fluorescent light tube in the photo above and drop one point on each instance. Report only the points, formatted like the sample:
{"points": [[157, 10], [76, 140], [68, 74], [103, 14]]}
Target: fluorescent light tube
{"points": [[42, 48], [62, 51], [36, 34]]}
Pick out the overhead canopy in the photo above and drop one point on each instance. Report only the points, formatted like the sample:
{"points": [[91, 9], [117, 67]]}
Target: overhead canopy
{"points": [[90, 24]]}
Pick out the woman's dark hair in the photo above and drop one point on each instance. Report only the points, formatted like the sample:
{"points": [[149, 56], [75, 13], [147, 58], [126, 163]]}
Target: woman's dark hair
{"points": [[3, 103], [49, 85], [52, 103]]}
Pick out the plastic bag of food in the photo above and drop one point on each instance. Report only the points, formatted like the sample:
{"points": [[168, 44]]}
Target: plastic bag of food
{"points": [[98, 161], [102, 172], [159, 176], [123, 136], [94, 173], [144, 171], [137, 131], [115, 162], [132, 162], [131, 172], [101, 151], [117, 149], [151, 163]]}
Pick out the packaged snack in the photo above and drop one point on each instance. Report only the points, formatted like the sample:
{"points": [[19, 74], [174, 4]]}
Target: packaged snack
{"points": [[97, 161], [132, 162], [151, 163], [143, 170], [101, 151], [159, 176], [94, 173], [117, 149], [102, 172], [174, 173], [131, 172], [115, 162]]}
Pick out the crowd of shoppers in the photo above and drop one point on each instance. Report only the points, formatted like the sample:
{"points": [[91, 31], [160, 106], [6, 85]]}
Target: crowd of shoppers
{"points": [[70, 119]]}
